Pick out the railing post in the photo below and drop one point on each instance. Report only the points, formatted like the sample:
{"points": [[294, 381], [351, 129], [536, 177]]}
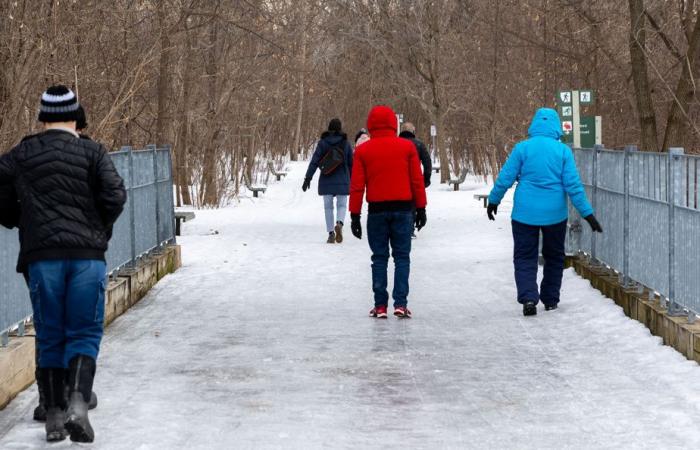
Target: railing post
{"points": [[626, 218], [154, 149], [594, 194], [132, 206], [171, 187], [674, 178]]}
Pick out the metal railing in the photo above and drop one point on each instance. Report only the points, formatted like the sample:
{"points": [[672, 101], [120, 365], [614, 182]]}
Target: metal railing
{"points": [[146, 224], [649, 207]]}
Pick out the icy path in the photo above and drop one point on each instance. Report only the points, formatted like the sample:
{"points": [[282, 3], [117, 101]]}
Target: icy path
{"points": [[261, 340]]}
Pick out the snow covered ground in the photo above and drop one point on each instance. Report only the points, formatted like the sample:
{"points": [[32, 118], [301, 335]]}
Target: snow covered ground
{"points": [[262, 340]]}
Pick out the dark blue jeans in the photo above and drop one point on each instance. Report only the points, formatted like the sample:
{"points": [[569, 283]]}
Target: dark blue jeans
{"points": [[526, 240], [393, 229], [68, 299]]}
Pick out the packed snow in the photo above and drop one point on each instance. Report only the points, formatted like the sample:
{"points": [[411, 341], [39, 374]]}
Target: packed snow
{"points": [[262, 340]]}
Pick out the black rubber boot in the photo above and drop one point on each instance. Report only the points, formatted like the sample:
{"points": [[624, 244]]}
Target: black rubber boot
{"points": [[53, 381], [92, 404], [530, 309], [40, 410], [81, 373]]}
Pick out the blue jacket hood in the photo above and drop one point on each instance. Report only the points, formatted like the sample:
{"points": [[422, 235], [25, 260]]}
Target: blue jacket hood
{"points": [[546, 123]]}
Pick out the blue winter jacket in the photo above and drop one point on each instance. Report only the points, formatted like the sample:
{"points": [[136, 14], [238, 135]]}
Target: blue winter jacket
{"points": [[545, 171], [338, 182]]}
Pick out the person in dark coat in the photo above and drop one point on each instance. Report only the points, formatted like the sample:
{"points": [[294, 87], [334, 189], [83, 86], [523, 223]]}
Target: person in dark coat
{"points": [[408, 131], [67, 195], [40, 410], [335, 186]]}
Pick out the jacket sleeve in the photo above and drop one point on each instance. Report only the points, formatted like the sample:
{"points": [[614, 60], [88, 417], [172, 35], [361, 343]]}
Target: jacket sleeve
{"points": [[509, 174], [358, 182], [111, 195], [417, 182], [9, 202], [573, 186], [348, 156], [426, 162], [315, 159]]}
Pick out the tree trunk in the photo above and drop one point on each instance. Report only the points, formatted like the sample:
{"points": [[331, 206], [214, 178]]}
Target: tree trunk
{"points": [[209, 189], [645, 106], [441, 149], [182, 151], [494, 83], [302, 75], [163, 86], [678, 120]]}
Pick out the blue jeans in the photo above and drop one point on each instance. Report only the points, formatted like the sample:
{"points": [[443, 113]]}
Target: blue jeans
{"points": [[68, 299], [390, 229], [526, 239], [341, 207]]}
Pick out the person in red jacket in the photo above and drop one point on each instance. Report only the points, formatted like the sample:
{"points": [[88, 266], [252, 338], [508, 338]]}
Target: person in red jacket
{"points": [[388, 168]]}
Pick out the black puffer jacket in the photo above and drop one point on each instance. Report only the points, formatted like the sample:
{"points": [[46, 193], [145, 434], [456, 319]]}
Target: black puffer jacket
{"points": [[423, 154], [63, 193]]}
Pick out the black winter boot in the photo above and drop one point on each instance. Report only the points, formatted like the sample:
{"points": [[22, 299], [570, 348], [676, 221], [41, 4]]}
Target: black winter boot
{"points": [[40, 410], [92, 404], [529, 309], [81, 373], [53, 381]]}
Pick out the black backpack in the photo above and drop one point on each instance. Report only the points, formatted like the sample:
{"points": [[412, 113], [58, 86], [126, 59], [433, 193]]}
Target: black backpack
{"points": [[334, 158]]}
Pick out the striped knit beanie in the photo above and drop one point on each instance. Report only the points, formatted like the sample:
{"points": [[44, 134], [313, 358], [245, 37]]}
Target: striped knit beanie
{"points": [[58, 104]]}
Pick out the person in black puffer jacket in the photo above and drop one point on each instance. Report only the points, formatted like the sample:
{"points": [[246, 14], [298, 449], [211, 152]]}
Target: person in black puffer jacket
{"points": [[408, 131], [64, 194]]}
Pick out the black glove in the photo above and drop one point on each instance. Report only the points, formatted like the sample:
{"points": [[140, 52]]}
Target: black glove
{"points": [[306, 185], [492, 210], [421, 218], [593, 222], [356, 226]]}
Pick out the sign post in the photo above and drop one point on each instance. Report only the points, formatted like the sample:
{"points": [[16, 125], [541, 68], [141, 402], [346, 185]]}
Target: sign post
{"points": [[579, 131], [576, 109]]}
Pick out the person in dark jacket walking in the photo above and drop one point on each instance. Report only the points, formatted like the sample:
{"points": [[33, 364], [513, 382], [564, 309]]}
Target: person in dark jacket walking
{"points": [[334, 187], [40, 410], [67, 195], [546, 173], [408, 131], [387, 167]]}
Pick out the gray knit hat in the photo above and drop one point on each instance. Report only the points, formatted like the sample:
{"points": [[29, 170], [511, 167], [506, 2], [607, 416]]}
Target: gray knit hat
{"points": [[58, 104]]}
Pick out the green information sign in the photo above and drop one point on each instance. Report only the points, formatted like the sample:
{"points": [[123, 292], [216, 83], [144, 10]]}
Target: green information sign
{"points": [[569, 104], [588, 132]]}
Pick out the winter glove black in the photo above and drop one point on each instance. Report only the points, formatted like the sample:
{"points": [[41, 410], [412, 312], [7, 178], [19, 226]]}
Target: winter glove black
{"points": [[593, 222], [492, 210], [421, 218], [306, 185], [356, 226]]}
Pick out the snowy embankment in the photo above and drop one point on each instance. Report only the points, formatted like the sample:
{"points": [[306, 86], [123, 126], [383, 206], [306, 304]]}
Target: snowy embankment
{"points": [[261, 340]]}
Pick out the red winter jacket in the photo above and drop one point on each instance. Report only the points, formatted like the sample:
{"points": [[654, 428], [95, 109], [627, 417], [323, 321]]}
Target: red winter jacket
{"points": [[387, 166]]}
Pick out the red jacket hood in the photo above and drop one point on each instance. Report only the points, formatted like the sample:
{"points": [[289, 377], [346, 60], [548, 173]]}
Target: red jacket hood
{"points": [[382, 121]]}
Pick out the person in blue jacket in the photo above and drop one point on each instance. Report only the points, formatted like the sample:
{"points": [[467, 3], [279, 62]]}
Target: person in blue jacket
{"points": [[546, 173], [334, 187]]}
